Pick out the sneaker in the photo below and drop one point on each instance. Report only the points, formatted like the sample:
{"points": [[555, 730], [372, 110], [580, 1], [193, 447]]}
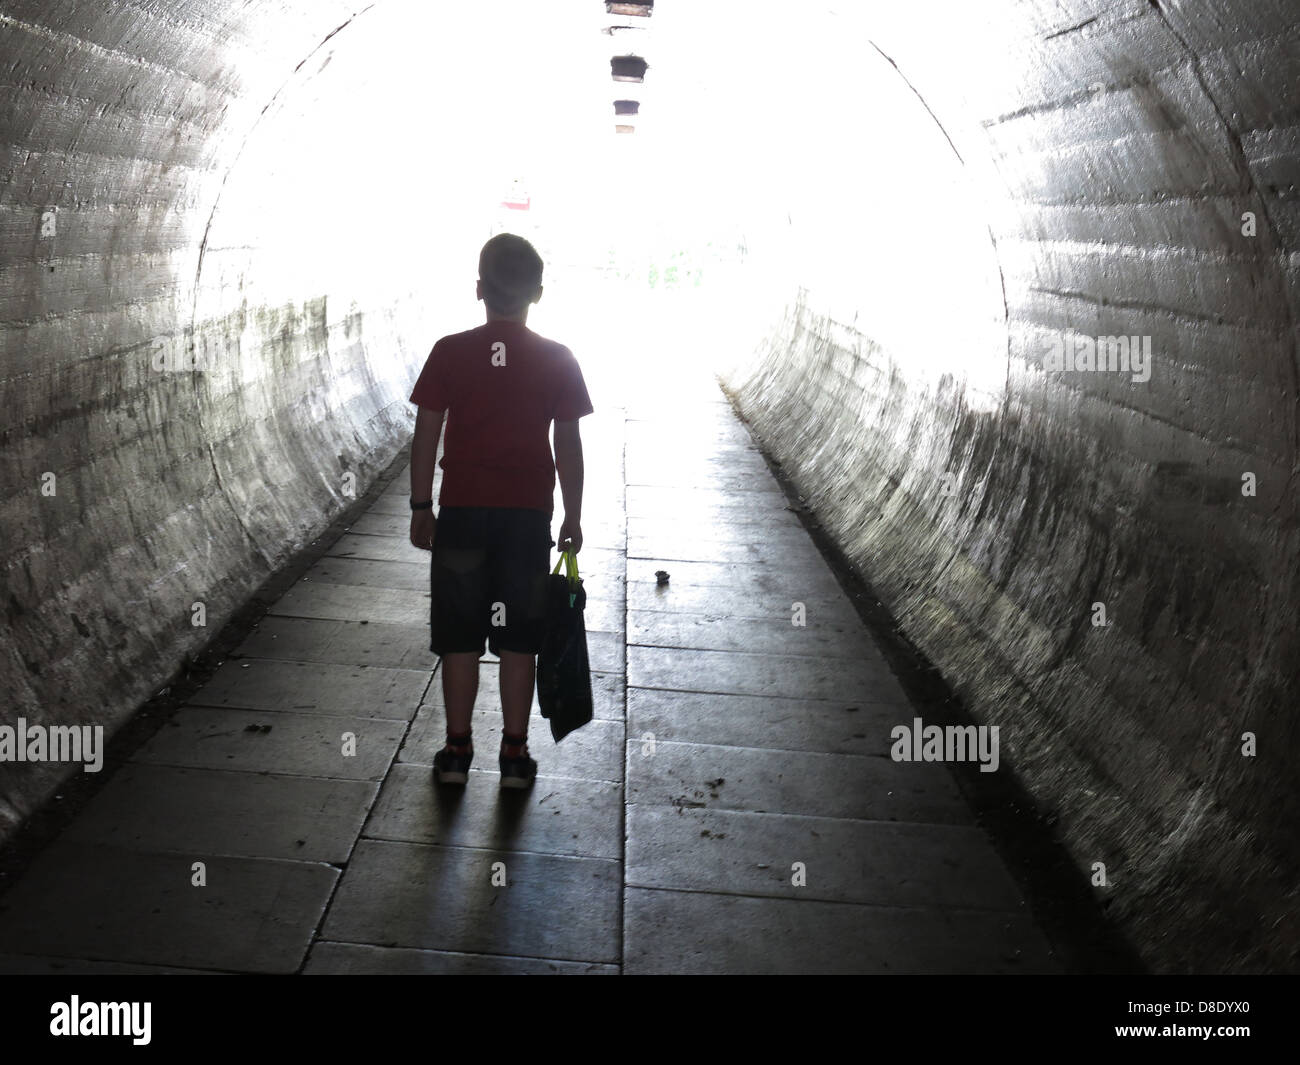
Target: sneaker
{"points": [[518, 772], [450, 767]]}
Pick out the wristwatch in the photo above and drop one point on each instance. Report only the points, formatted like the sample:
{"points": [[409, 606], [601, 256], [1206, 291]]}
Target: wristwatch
{"points": [[427, 505]]}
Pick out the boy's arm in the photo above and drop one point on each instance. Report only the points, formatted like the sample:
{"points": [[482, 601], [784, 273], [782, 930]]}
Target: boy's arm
{"points": [[568, 467], [424, 460]]}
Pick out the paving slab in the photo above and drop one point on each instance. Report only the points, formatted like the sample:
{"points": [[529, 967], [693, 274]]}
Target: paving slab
{"points": [[400, 486], [356, 643], [347, 959], [606, 651], [731, 469], [320, 687], [36, 965], [218, 812], [597, 559], [347, 602], [580, 818], [390, 548], [779, 536], [719, 777], [817, 638], [602, 587], [442, 898], [708, 443], [701, 431], [603, 529], [287, 742], [877, 862], [373, 523], [680, 596], [788, 547], [689, 932], [395, 504], [791, 676], [112, 904], [796, 583], [702, 505], [596, 539], [832, 726], [412, 575], [680, 450], [736, 475]]}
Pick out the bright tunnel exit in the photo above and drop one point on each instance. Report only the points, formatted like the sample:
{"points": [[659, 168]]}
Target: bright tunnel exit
{"points": [[416, 131]]}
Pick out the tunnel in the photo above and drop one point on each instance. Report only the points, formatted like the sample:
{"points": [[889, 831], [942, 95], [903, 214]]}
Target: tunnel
{"points": [[1004, 296]]}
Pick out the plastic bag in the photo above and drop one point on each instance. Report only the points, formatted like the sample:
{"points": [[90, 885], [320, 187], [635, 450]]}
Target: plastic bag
{"points": [[563, 669]]}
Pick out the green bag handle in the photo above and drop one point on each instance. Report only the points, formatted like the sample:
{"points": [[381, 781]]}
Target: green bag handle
{"points": [[569, 560]]}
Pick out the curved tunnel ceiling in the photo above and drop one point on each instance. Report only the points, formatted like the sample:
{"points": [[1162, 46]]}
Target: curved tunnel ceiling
{"points": [[926, 201]]}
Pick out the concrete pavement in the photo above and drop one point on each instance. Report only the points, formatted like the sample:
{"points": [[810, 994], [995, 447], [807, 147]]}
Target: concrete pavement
{"points": [[732, 807]]}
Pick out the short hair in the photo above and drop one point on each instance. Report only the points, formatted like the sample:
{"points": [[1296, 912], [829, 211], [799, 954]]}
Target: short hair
{"points": [[511, 272]]}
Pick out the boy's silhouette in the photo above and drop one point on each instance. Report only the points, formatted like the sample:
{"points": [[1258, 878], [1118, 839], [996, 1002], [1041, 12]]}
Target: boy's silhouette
{"points": [[499, 386]]}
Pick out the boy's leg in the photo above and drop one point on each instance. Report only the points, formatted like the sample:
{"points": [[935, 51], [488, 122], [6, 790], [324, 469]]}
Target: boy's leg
{"points": [[459, 690], [459, 613], [518, 676], [520, 565]]}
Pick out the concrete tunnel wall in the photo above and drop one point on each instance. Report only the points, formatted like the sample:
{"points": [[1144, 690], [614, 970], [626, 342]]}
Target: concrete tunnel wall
{"points": [[124, 127], [1138, 163], [1115, 149]]}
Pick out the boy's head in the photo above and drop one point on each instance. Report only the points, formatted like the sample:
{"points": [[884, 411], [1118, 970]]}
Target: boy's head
{"points": [[510, 274]]}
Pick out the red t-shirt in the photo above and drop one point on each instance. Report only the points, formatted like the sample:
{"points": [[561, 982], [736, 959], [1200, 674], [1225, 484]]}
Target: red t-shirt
{"points": [[501, 385]]}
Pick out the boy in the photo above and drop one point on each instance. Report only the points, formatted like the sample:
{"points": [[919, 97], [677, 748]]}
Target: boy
{"points": [[500, 386]]}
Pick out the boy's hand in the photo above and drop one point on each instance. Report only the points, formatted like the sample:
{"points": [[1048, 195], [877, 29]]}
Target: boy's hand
{"points": [[423, 526], [570, 538]]}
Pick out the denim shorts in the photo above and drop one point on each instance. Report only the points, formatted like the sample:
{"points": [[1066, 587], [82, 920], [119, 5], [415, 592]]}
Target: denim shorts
{"points": [[489, 578]]}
